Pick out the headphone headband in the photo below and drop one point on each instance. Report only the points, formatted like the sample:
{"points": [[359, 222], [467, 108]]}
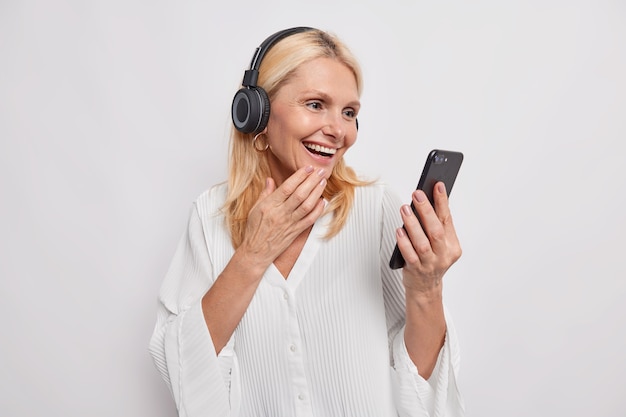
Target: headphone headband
{"points": [[251, 75]]}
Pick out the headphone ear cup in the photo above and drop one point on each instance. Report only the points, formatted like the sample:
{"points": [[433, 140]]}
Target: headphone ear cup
{"points": [[265, 109], [250, 110]]}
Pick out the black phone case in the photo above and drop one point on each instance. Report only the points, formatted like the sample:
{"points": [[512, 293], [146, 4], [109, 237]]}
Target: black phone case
{"points": [[440, 166]]}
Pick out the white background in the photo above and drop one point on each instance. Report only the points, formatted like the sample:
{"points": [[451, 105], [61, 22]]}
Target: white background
{"points": [[114, 116]]}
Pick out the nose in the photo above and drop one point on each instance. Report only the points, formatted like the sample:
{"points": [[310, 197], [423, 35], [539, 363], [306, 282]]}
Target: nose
{"points": [[335, 126]]}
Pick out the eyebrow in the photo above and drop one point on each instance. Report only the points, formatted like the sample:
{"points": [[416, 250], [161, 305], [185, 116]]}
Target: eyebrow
{"points": [[326, 97]]}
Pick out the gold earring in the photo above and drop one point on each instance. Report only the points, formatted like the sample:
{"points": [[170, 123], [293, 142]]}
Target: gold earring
{"points": [[256, 147]]}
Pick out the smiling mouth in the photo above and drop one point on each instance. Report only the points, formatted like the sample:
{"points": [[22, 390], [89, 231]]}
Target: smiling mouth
{"points": [[320, 150]]}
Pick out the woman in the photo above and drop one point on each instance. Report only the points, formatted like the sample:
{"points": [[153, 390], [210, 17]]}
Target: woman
{"points": [[279, 300]]}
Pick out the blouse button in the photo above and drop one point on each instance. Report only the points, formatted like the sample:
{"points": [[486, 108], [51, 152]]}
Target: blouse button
{"points": [[292, 348]]}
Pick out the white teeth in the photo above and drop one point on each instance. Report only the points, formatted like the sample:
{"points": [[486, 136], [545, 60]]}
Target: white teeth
{"points": [[318, 148]]}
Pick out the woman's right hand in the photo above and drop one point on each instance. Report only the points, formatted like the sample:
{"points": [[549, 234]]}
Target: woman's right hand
{"points": [[282, 214], [278, 217]]}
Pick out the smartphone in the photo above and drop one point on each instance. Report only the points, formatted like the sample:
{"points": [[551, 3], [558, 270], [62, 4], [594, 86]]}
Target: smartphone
{"points": [[440, 166]]}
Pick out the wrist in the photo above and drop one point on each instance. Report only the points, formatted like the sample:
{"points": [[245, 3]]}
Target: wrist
{"points": [[425, 297], [249, 264]]}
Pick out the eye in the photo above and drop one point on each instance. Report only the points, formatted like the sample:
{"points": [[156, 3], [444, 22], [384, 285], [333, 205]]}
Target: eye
{"points": [[315, 105], [350, 113]]}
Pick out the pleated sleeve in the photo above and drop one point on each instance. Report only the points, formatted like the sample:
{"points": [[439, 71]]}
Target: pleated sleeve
{"points": [[181, 345]]}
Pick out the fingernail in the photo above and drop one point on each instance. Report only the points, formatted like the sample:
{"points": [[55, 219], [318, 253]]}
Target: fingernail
{"points": [[441, 187], [420, 196], [323, 182], [321, 172], [406, 210], [308, 169], [400, 232]]}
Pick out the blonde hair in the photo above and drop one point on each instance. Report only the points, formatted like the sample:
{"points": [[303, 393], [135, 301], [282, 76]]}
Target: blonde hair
{"points": [[248, 168]]}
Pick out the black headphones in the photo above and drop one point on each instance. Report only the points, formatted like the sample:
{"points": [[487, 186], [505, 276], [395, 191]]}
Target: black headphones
{"points": [[251, 106]]}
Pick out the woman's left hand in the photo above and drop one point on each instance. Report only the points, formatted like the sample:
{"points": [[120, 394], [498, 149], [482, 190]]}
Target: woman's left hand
{"points": [[430, 248]]}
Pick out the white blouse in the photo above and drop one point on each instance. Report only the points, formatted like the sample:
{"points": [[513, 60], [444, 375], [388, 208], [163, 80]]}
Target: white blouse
{"points": [[327, 341]]}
